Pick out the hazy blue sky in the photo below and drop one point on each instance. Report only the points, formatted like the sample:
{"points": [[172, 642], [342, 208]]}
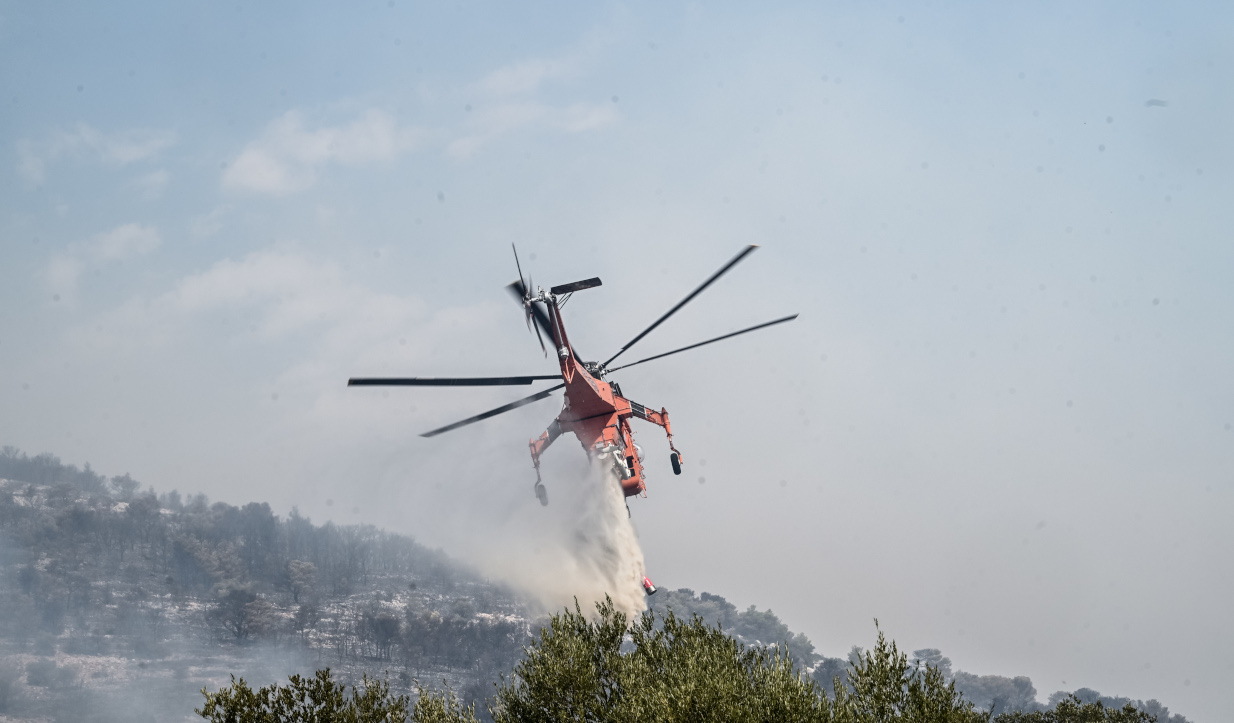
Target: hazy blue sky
{"points": [[1001, 424]]}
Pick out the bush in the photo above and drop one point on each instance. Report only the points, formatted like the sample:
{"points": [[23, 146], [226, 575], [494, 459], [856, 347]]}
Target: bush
{"points": [[320, 700], [1073, 710]]}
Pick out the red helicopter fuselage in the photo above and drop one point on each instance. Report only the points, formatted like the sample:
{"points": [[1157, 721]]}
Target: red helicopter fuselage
{"points": [[598, 415]]}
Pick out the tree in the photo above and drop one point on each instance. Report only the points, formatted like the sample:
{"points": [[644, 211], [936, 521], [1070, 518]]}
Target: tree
{"points": [[674, 670], [242, 613], [258, 528], [300, 578], [125, 486], [1073, 710], [752, 627], [997, 693], [144, 513], [883, 687], [306, 617], [321, 700], [665, 668], [382, 628]]}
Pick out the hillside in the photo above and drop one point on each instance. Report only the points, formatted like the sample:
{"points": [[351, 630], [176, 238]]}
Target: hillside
{"points": [[107, 592], [121, 604]]}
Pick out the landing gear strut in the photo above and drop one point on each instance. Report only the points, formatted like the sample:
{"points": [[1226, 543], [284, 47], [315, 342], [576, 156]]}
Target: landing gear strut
{"points": [[537, 447]]}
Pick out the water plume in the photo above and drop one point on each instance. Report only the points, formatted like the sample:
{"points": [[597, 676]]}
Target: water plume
{"points": [[583, 545], [607, 555]]}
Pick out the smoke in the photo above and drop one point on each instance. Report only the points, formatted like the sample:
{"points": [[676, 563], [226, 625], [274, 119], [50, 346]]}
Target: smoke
{"points": [[583, 545]]}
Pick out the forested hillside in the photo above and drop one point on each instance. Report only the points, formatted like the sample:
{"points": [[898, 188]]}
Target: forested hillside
{"points": [[122, 604], [106, 590]]}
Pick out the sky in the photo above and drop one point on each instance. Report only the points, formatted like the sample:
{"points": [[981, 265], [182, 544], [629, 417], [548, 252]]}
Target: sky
{"points": [[1001, 424]]}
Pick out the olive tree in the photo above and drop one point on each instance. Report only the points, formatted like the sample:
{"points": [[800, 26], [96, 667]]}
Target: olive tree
{"points": [[320, 699]]}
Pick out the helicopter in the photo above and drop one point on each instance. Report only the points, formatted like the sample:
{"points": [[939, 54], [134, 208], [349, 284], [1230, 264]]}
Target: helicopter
{"points": [[595, 409]]}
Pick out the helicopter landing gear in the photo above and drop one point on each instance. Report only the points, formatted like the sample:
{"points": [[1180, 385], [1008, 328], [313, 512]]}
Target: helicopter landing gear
{"points": [[537, 447], [675, 459]]}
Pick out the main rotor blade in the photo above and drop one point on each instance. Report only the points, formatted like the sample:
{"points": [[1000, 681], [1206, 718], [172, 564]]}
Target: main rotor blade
{"points": [[724, 269], [704, 343], [494, 412], [443, 381]]}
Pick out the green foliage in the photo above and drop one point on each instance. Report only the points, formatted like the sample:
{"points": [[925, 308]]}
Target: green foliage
{"points": [[883, 687], [1073, 710], [753, 626], [432, 707], [670, 669], [572, 672], [688, 671], [321, 700]]}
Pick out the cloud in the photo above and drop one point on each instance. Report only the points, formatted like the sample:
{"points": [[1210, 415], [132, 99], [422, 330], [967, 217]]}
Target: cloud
{"points": [[584, 117], [152, 184], [507, 105], [208, 224], [288, 155], [62, 274], [278, 292], [65, 269], [282, 300], [123, 148], [524, 77], [491, 124], [294, 290], [131, 239]]}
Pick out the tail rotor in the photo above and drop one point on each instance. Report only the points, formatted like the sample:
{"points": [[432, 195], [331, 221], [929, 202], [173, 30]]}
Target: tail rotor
{"points": [[522, 289]]}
